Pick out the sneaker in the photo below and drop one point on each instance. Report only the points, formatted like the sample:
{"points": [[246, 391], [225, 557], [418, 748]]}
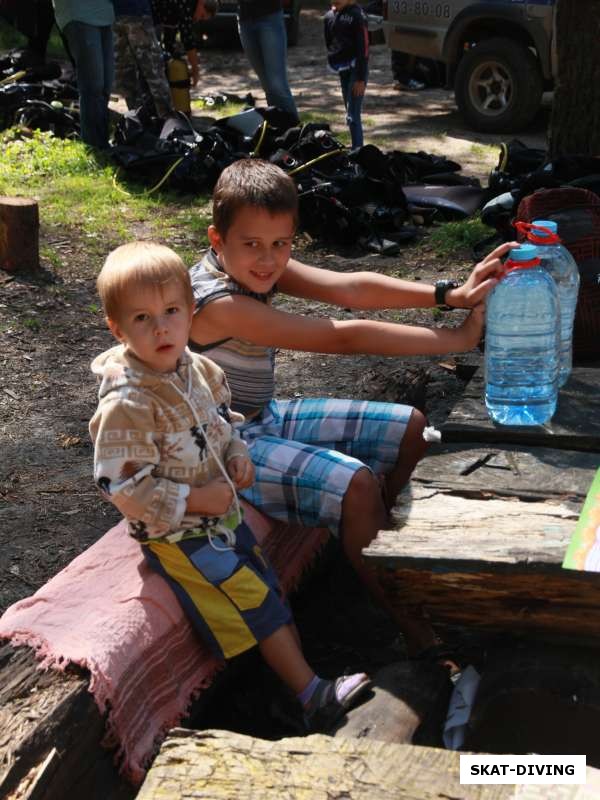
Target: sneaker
{"points": [[332, 699], [410, 86]]}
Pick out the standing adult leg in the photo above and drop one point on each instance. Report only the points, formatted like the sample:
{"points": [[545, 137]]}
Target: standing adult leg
{"points": [[140, 71], [127, 78], [92, 49], [265, 44], [151, 66]]}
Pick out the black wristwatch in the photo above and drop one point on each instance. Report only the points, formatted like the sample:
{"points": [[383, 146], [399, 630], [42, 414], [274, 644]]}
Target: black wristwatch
{"points": [[441, 288]]}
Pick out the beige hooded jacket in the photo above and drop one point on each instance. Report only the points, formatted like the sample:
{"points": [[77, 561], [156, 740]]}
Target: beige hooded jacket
{"points": [[156, 435]]}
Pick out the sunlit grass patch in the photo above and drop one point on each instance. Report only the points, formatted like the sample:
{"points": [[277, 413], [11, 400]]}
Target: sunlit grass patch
{"points": [[79, 191], [454, 238]]}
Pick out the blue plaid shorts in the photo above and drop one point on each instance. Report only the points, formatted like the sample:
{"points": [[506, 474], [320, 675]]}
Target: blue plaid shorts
{"points": [[306, 452]]}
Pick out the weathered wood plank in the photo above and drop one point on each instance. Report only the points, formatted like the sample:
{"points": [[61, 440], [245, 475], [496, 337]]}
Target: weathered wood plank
{"points": [[51, 733], [575, 426], [502, 470], [443, 531], [408, 703], [218, 765], [491, 564]]}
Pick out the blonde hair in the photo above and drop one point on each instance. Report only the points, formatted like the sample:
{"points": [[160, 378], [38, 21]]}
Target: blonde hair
{"points": [[140, 265]]}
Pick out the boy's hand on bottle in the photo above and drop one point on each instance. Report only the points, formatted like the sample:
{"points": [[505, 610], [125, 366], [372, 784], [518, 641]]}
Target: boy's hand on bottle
{"points": [[213, 499], [472, 327], [241, 471], [481, 281]]}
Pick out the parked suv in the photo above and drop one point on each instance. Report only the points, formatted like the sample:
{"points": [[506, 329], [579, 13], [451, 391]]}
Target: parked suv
{"points": [[499, 54]]}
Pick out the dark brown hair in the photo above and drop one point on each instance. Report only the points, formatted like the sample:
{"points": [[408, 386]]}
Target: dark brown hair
{"points": [[256, 183]]}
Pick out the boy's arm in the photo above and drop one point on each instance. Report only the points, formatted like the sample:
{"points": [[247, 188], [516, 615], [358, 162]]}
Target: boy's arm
{"points": [[250, 320], [370, 290], [125, 458]]}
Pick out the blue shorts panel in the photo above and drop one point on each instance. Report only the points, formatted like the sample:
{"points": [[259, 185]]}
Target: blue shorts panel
{"points": [[232, 597], [307, 451]]}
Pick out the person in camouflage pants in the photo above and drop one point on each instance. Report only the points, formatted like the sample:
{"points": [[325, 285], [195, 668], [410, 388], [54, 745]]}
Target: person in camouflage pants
{"points": [[139, 67]]}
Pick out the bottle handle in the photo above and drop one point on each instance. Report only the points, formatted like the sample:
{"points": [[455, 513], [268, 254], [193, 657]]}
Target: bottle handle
{"points": [[527, 230]]}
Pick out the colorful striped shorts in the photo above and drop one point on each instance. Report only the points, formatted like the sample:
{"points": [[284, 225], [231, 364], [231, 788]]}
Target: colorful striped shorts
{"points": [[306, 453], [231, 597]]}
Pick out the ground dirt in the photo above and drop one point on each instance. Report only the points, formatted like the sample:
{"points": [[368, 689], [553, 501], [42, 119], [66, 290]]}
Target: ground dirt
{"points": [[51, 328]]}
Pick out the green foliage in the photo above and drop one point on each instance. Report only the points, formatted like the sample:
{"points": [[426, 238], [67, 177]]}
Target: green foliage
{"points": [[82, 192], [226, 110], [453, 238], [32, 323], [10, 39]]}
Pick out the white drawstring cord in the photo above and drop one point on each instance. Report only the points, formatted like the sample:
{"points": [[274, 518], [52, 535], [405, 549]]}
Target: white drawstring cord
{"points": [[220, 529]]}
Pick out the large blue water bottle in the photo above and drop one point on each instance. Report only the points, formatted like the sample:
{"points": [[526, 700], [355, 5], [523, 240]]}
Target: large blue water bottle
{"points": [[522, 342], [563, 268]]}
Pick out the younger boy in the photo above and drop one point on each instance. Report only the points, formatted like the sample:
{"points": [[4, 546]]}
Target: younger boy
{"points": [[168, 457], [347, 42], [317, 461]]}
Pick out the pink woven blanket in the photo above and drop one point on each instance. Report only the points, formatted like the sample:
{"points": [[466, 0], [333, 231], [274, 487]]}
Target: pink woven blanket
{"points": [[108, 612]]}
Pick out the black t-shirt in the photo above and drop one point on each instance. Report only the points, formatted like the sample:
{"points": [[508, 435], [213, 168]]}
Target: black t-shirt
{"points": [[347, 40], [254, 9]]}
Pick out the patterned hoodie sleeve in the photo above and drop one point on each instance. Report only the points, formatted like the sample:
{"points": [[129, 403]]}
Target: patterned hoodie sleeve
{"points": [[125, 459], [221, 393]]}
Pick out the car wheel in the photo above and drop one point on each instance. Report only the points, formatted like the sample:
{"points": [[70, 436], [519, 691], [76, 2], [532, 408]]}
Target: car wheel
{"points": [[498, 86]]}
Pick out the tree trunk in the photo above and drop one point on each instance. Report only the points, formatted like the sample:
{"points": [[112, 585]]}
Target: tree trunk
{"points": [[19, 234], [575, 122]]}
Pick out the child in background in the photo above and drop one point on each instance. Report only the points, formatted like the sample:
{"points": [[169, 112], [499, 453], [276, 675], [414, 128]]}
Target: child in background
{"points": [[168, 457], [347, 41], [319, 461]]}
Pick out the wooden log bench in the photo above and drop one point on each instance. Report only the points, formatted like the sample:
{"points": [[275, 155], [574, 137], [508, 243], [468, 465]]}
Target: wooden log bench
{"points": [[479, 535], [225, 766], [53, 742], [477, 541], [574, 426], [50, 745]]}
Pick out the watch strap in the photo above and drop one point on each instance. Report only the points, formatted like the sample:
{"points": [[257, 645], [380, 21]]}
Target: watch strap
{"points": [[441, 288]]}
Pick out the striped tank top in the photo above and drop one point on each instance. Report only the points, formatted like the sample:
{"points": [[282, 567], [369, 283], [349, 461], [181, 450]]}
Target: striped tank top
{"points": [[249, 367]]}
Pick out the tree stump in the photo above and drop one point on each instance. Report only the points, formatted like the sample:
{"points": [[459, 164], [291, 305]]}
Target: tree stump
{"points": [[19, 234]]}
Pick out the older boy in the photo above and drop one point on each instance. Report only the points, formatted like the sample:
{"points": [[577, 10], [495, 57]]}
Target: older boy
{"points": [[317, 461], [168, 457]]}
